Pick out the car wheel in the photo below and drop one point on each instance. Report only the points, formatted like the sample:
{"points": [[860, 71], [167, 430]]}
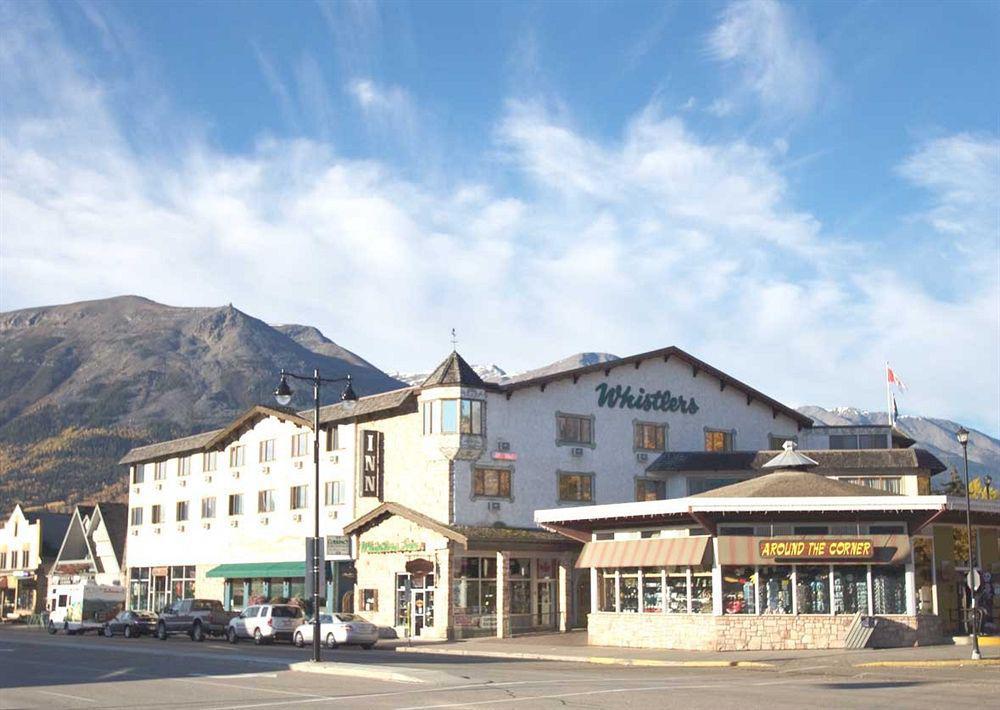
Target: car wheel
{"points": [[128, 632], [367, 646], [330, 641], [108, 633], [52, 628], [197, 632], [258, 638], [231, 636], [298, 640], [161, 631]]}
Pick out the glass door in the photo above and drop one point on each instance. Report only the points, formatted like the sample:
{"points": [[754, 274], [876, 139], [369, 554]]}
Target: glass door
{"points": [[161, 595]]}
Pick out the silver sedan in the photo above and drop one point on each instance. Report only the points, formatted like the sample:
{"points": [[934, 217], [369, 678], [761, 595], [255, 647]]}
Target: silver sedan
{"points": [[339, 629]]}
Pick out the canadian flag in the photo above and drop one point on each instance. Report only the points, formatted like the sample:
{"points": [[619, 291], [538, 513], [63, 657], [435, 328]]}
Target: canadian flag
{"points": [[893, 379]]}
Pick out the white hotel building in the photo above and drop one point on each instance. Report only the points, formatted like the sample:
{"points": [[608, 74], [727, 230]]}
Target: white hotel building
{"points": [[439, 539]]}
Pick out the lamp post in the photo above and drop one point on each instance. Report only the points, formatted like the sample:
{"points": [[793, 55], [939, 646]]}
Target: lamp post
{"points": [[989, 482], [963, 438], [283, 395]]}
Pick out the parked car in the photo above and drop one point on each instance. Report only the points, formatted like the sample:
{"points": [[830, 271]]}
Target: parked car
{"points": [[197, 618], [265, 623], [131, 624], [339, 629]]}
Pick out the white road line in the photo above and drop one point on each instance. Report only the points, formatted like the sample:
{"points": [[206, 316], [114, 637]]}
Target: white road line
{"points": [[66, 695], [224, 676], [255, 688]]}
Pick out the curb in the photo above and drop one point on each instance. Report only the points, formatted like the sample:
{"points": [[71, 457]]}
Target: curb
{"points": [[598, 660], [354, 670], [951, 663]]}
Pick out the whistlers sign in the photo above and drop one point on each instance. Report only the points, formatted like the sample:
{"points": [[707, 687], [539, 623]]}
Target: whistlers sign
{"points": [[655, 401], [833, 549]]}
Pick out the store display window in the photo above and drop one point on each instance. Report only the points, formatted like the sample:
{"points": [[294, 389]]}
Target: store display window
{"points": [[628, 590], [889, 589], [812, 588], [652, 590], [739, 590], [676, 590], [776, 589], [701, 589], [850, 589]]}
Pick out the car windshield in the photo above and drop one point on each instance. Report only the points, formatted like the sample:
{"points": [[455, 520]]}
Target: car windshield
{"points": [[287, 612], [348, 617]]}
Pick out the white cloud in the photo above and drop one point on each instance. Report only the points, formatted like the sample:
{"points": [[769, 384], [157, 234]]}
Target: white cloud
{"points": [[659, 237], [778, 61], [388, 108]]}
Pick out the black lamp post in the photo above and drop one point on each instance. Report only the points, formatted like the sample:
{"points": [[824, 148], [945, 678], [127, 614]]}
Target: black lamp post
{"points": [[283, 395], [989, 482], [963, 438]]}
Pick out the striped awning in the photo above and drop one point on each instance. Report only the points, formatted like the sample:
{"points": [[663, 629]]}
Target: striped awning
{"points": [[650, 552]]}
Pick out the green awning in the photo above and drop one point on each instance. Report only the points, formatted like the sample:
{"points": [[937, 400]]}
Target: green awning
{"points": [[255, 570]]}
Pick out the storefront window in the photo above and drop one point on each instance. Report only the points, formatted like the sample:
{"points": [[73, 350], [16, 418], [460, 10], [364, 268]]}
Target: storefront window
{"points": [[850, 589], [628, 590], [776, 589], [608, 582], [652, 590], [923, 567], [813, 589], [139, 588], [475, 596], [701, 590], [676, 590], [889, 590], [738, 590], [236, 599]]}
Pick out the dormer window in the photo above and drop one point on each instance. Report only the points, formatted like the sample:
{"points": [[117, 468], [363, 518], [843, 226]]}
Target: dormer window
{"points": [[453, 416]]}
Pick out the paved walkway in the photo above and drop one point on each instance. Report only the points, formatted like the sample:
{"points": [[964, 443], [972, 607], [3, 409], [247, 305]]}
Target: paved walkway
{"points": [[573, 647]]}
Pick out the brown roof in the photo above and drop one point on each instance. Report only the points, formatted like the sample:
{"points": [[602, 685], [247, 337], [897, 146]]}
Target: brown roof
{"points": [[830, 461], [249, 417], [454, 371], [372, 404], [115, 516], [162, 449], [697, 366], [791, 484]]}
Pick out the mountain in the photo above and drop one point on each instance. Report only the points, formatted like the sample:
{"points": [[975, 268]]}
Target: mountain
{"points": [[935, 435], [82, 383], [493, 373]]}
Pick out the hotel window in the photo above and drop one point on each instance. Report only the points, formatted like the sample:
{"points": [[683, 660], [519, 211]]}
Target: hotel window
{"points": [[649, 489], [155, 515], [298, 497], [574, 429], [716, 440], [209, 461], [208, 507], [160, 470], [449, 416], [136, 518], [3, 560], [471, 420], [236, 504], [184, 466], [25, 558], [333, 493], [182, 511], [182, 581], [576, 487], [428, 411], [776, 442], [300, 444], [265, 501], [491, 482], [266, 450], [237, 456], [650, 437], [333, 438], [138, 473]]}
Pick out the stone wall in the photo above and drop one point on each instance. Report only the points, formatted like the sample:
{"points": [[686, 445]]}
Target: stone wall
{"points": [[703, 632]]}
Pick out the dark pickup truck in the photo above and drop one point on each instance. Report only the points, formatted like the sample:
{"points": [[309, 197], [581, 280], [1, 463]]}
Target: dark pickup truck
{"points": [[197, 618]]}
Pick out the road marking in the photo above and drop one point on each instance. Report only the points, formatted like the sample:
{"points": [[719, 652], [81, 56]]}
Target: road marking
{"points": [[255, 688], [66, 695], [224, 676]]}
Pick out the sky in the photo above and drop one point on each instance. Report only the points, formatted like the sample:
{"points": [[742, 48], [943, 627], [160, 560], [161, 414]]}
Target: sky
{"points": [[793, 192]]}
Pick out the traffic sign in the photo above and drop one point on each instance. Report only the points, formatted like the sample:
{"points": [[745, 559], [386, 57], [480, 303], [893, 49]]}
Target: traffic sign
{"points": [[973, 579]]}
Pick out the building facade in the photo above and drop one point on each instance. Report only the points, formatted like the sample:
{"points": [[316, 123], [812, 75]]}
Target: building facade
{"points": [[93, 548], [29, 543]]}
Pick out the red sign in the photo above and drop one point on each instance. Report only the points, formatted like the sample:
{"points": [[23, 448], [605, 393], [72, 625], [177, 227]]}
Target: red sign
{"points": [[504, 456]]}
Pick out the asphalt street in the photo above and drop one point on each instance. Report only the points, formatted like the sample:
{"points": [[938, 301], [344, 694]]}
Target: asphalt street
{"points": [[41, 671]]}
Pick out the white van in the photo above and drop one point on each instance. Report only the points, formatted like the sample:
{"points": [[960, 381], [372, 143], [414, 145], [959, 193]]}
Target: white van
{"points": [[83, 606]]}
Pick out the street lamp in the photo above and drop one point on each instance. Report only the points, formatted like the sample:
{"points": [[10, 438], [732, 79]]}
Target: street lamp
{"points": [[283, 395], [963, 438], [989, 482]]}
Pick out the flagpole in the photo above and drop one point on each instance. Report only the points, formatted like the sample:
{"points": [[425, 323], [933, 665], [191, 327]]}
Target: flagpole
{"points": [[888, 403]]}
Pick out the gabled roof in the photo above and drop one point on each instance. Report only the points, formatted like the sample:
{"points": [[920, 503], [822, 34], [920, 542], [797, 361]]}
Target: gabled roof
{"points": [[385, 510], [364, 406], [830, 461], [164, 449], [251, 416], [115, 517], [454, 370], [791, 484], [665, 354]]}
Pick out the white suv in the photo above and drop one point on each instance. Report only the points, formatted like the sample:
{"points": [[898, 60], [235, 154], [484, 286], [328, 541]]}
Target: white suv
{"points": [[265, 623]]}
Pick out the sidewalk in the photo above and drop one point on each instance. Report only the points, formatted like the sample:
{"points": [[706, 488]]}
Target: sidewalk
{"points": [[572, 647]]}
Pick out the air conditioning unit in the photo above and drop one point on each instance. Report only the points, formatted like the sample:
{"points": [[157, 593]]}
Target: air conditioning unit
{"points": [[494, 505], [180, 528], [503, 445], [156, 531], [236, 474], [182, 482], [265, 470], [159, 486], [332, 514], [297, 517], [135, 531], [298, 464], [208, 479], [206, 525], [263, 520], [334, 459], [137, 489], [642, 457], [576, 451], [234, 523]]}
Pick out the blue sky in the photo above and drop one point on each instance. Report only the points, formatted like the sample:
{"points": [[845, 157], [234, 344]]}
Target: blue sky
{"points": [[793, 192]]}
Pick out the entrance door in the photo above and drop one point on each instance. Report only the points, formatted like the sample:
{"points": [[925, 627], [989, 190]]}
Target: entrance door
{"points": [[160, 593], [545, 608], [421, 604], [581, 599]]}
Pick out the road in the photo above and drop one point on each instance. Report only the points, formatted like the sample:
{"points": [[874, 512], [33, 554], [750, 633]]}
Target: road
{"points": [[41, 671]]}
